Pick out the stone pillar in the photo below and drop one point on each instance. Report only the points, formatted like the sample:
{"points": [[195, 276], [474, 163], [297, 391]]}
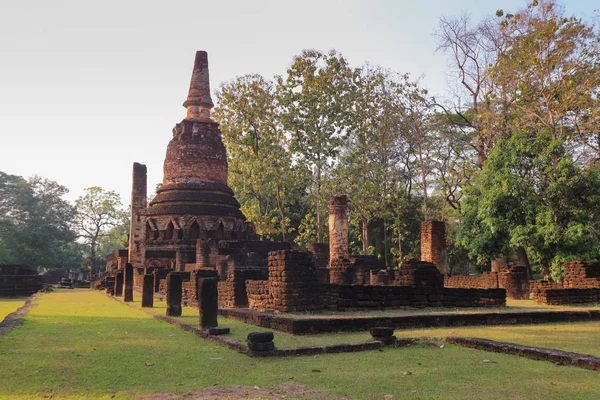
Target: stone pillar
{"points": [[338, 227], [179, 261], [174, 295], [207, 293], [148, 291], [119, 283], [128, 295], [433, 244], [202, 253], [137, 230]]}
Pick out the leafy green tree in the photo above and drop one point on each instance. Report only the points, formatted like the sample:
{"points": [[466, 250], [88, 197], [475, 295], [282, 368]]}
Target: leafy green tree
{"points": [[365, 159], [524, 199], [35, 222], [98, 212], [314, 103], [260, 162], [550, 70]]}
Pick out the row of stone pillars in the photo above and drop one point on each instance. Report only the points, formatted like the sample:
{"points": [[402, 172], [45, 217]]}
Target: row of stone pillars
{"points": [[206, 292], [124, 283], [206, 289]]}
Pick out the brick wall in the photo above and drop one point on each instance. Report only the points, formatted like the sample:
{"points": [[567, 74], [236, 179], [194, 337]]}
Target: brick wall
{"points": [[259, 297], [293, 283], [232, 291], [349, 297], [320, 252], [418, 274], [582, 275], [566, 296], [487, 280], [513, 278], [293, 286]]}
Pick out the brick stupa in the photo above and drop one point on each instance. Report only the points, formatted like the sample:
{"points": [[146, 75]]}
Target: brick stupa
{"points": [[194, 203]]}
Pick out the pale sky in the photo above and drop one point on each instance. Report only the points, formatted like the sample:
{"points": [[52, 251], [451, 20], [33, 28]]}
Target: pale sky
{"points": [[87, 88]]}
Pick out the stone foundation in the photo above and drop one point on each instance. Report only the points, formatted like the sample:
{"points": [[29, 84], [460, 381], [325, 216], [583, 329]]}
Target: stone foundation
{"points": [[293, 286]]}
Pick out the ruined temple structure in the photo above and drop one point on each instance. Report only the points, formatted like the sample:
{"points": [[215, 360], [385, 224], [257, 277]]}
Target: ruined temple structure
{"points": [[18, 280], [581, 285], [344, 268], [194, 229], [194, 222]]}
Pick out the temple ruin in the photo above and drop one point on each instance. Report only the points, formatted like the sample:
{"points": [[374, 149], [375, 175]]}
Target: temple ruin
{"points": [[194, 229]]}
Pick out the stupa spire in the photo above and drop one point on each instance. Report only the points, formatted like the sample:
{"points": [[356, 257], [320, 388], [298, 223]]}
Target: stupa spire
{"points": [[198, 102]]}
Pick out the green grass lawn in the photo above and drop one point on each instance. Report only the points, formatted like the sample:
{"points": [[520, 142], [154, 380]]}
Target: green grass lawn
{"points": [[81, 344], [240, 330], [579, 337], [10, 305]]}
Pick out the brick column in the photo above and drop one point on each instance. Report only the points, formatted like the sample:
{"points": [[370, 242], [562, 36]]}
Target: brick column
{"points": [[338, 227], [137, 230], [433, 244]]}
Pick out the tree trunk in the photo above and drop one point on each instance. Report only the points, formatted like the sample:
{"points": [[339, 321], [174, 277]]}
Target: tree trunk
{"points": [[385, 243], [319, 225], [365, 236], [523, 259]]}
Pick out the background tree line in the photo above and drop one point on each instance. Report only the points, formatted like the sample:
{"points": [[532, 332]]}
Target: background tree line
{"points": [[40, 229], [510, 161]]}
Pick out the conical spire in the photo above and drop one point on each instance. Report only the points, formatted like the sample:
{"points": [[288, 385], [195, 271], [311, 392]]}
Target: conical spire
{"points": [[198, 102]]}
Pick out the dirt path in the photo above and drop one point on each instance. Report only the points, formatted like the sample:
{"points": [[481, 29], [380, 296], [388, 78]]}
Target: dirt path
{"points": [[16, 318], [287, 390]]}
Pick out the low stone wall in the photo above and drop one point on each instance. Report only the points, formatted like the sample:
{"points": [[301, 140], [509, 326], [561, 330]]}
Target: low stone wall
{"points": [[18, 280], [539, 285], [566, 296], [581, 275], [259, 297], [232, 291], [487, 280], [353, 297], [188, 286], [512, 277], [293, 284]]}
